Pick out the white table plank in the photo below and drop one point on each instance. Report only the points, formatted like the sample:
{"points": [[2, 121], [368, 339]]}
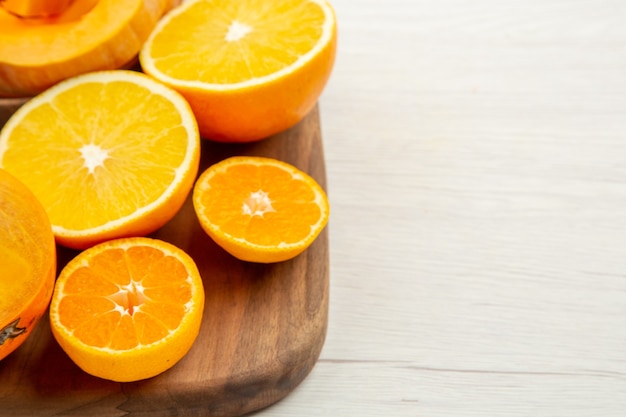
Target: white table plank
{"points": [[476, 156]]}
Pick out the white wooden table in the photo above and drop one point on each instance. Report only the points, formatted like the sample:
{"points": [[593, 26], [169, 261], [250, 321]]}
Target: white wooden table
{"points": [[476, 157]]}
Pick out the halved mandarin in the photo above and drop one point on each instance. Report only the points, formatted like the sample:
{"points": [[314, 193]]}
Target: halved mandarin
{"points": [[128, 309], [260, 209]]}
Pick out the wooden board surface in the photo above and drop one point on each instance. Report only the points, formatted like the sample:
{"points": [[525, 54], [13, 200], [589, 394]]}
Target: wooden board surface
{"points": [[263, 328]]}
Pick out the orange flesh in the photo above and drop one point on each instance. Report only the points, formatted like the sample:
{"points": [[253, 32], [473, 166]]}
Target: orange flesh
{"points": [[236, 41], [130, 297], [78, 127]]}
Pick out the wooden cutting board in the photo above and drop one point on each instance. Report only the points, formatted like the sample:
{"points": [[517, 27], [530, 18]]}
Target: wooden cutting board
{"points": [[263, 328]]}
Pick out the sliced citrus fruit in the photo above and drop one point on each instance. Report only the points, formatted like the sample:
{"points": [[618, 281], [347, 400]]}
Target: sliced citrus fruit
{"points": [[39, 50], [109, 154], [249, 68], [260, 209], [27, 262], [127, 309]]}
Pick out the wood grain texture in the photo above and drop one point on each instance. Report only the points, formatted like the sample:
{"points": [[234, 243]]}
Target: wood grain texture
{"points": [[263, 328]]}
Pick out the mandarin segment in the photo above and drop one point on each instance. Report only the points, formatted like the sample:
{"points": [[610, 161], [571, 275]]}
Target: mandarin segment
{"points": [[78, 310], [88, 282], [148, 329], [98, 332], [260, 209], [124, 336], [147, 261], [146, 316], [110, 266], [167, 315], [164, 294]]}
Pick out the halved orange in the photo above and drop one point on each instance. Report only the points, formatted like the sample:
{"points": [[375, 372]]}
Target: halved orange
{"points": [[260, 209], [109, 154], [128, 309], [249, 68], [27, 262], [87, 35]]}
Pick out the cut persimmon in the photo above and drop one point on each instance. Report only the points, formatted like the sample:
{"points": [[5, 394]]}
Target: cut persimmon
{"points": [[88, 35], [27, 262]]}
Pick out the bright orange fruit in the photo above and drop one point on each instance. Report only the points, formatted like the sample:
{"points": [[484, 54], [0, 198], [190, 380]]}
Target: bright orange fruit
{"points": [[249, 68], [27, 262], [38, 51], [109, 154], [260, 209], [128, 309]]}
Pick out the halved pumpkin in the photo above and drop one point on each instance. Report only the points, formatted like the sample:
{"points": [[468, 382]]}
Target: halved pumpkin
{"points": [[36, 52]]}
